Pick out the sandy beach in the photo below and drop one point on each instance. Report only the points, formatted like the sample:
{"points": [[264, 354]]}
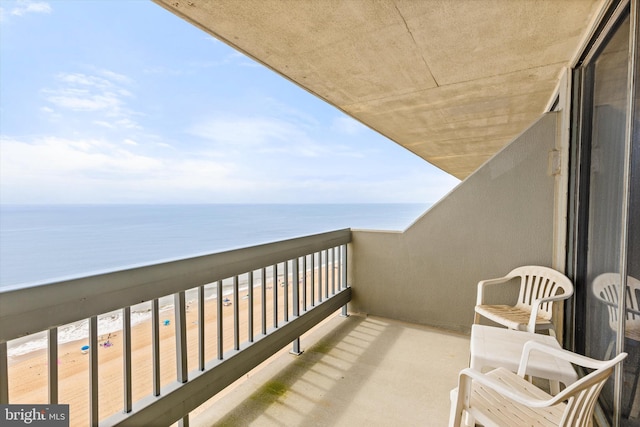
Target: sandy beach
{"points": [[28, 373]]}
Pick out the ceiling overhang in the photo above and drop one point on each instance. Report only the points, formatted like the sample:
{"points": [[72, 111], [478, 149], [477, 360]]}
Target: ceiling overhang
{"points": [[451, 81]]}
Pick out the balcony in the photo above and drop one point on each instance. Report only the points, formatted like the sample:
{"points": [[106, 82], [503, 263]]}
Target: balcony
{"points": [[425, 275], [354, 368]]}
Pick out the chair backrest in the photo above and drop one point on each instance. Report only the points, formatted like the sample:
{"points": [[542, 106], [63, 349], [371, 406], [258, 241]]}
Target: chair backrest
{"points": [[540, 282], [582, 395], [606, 287]]}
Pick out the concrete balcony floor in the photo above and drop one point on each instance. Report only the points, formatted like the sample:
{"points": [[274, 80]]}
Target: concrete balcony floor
{"points": [[354, 371]]}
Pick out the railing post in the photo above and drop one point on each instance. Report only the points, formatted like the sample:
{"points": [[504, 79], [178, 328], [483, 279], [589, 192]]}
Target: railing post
{"points": [[320, 276], [93, 371], [182, 374], [312, 268], [304, 283], [275, 295], [285, 303], [220, 316], [155, 333], [334, 266], [296, 301], [326, 273], [126, 358], [201, 331], [181, 337], [263, 300], [4, 374], [53, 365], [343, 250], [236, 315], [250, 310]]}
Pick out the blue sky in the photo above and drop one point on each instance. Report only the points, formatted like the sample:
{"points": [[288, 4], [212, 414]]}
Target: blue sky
{"points": [[123, 102]]}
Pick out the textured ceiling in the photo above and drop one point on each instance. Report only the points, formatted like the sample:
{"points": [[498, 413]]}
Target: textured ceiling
{"points": [[451, 81]]}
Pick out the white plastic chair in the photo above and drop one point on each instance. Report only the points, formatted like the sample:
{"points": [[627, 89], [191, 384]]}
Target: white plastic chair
{"points": [[540, 287], [502, 398]]}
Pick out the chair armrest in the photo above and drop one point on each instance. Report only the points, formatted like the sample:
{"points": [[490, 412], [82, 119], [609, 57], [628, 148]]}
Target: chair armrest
{"points": [[574, 358], [468, 375], [489, 282], [531, 326]]}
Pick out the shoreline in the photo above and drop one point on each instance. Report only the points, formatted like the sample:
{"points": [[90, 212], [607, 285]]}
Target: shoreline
{"points": [[28, 373], [108, 323]]}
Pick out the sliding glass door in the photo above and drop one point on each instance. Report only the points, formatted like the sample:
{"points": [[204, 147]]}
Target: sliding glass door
{"points": [[607, 244]]}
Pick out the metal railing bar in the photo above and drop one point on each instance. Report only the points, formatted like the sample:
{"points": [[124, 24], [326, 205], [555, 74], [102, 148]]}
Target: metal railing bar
{"points": [[344, 277], [295, 300], [343, 264], [325, 267], [52, 350], [236, 314], [155, 342], [263, 300], [93, 371], [201, 326], [304, 283], [329, 269], [181, 337], [285, 302], [250, 310], [41, 307], [126, 358], [183, 398], [295, 277], [275, 295], [333, 270], [4, 374], [219, 316], [326, 273], [313, 278], [320, 277]]}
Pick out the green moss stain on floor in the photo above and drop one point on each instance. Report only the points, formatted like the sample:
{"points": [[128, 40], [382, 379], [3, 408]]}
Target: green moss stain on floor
{"points": [[270, 392]]}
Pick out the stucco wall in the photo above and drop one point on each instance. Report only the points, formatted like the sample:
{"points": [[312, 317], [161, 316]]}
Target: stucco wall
{"points": [[497, 219]]}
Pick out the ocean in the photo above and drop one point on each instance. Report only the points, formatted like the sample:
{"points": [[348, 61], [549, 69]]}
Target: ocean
{"points": [[43, 244], [40, 244]]}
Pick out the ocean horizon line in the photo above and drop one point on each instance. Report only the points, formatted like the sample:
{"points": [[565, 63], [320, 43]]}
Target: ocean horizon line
{"points": [[39, 243]]}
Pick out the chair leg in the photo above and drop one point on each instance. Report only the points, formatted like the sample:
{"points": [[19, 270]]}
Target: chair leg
{"points": [[454, 418]]}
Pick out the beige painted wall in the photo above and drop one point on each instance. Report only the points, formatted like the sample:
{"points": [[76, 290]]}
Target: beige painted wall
{"points": [[497, 219]]}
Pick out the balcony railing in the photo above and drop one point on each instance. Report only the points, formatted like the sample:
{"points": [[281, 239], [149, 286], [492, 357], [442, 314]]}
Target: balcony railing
{"points": [[285, 288]]}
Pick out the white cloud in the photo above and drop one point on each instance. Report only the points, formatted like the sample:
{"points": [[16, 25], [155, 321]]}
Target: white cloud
{"points": [[64, 170], [24, 7], [87, 171], [59, 156], [251, 131], [84, 100], [113, 76], [102, 93]]}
